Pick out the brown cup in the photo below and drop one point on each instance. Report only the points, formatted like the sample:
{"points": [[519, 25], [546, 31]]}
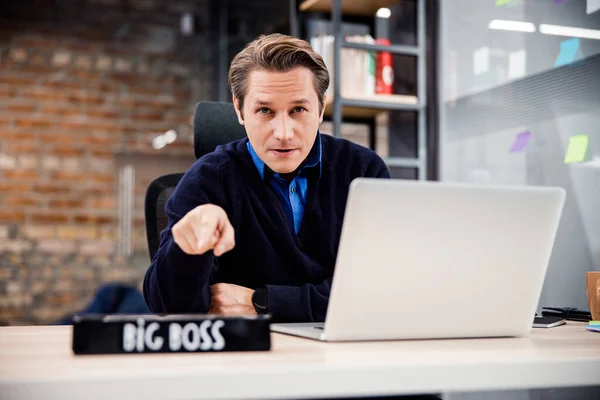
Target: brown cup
{"points": [[592, 279]]}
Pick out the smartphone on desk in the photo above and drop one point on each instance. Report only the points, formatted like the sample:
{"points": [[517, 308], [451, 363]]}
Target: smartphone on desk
{"points": [[548, 322]]}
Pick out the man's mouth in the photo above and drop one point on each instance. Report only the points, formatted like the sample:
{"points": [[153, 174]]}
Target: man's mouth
{"points": [[283, 151]]}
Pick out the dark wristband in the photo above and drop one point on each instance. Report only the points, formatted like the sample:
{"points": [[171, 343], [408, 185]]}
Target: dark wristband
{"points": [[260, 300]]}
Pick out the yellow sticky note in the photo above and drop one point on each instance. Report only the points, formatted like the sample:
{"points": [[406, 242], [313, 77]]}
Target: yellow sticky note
{"points": [[577, 150]]}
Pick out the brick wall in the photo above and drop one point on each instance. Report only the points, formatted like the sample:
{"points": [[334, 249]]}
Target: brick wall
{"points": [[82, 84]]}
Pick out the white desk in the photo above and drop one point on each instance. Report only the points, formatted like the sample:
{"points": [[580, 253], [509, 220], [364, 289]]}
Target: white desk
{"points": [[37, 362]]}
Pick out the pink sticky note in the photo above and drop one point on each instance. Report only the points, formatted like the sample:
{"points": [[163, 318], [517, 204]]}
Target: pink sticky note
{"points": [[520, 142]]}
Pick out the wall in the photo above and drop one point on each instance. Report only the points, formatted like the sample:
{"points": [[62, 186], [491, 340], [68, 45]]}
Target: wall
{"points": [[84, 84], [487, 99]]}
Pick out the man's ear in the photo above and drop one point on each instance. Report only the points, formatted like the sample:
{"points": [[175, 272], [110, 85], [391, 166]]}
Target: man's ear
{"points": [[236, 105], [323, 108]]}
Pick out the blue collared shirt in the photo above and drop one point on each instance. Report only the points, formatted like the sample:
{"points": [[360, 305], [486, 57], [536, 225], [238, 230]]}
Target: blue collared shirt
{"points": [[292, 194]]}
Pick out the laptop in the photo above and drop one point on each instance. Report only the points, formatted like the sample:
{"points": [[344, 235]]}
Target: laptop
{"points": [[427, 260]]}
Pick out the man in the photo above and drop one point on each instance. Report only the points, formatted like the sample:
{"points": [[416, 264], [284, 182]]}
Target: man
{"points": [[254, 226]]}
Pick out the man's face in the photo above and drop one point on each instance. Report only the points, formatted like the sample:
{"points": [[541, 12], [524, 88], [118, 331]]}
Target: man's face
{"points": [[281, 115]]}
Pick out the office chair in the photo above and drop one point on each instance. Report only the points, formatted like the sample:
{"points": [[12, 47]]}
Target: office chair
{"points": [[215, 123]]}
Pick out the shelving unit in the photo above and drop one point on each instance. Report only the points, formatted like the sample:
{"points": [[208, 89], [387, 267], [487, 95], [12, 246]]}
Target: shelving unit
{"points": [[370, 106], [366, 108], [354, 7]]}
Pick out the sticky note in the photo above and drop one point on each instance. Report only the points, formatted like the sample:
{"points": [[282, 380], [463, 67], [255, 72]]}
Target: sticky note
{"points": [[559, 1], [500, 3], [521, 141], [567, 53], [593, 328], [516, 64], [578, 150], [592, 6]]}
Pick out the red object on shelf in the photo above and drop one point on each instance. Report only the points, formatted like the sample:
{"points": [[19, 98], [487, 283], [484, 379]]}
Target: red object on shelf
{"points": [[384, 70]]}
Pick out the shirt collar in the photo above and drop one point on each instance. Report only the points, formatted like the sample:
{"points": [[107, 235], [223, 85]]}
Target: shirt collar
{"points": [[314, 158]]}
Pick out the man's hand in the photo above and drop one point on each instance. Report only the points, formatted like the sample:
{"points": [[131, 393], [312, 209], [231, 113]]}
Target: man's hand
{"points": [[228, 299], [204, 228]]}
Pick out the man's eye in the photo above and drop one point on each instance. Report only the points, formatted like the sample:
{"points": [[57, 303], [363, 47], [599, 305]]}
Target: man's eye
{"points": [[299, 109], [263, 110]]}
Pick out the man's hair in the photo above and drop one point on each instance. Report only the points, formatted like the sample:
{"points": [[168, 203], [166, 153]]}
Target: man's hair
{"points": [[276, 53]]}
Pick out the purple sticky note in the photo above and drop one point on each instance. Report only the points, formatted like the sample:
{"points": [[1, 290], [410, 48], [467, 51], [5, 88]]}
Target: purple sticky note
{"points": [[521, 141], [559, 1]]}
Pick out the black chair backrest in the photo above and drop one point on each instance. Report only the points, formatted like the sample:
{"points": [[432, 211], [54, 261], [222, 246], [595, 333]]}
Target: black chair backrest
{"points": [[157, 195], [215, 123]]}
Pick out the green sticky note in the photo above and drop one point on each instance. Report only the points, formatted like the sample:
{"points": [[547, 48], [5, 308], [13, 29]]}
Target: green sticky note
{"points": [[500, 3], [578, 149]]}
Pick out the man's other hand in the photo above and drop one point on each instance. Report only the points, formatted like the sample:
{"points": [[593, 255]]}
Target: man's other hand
{"points": [[228, 299], [204, 228]]}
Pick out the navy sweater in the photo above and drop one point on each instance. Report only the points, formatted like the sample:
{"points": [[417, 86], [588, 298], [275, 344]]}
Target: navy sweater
{"points": [[296, 269]]}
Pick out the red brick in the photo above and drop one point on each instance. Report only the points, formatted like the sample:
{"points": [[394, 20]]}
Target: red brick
{"points": [[102, 153], [37, 69], [147, 117], [104, 203], [76, 232], [97, 191], [103, 178], [49, 218], [94, 219], [65, 150], [14, 187], [88, 126], [44, 95], [22, 107], [180, 146], [133, 129], [51, 189], [12, 216], [103, 114], [99, 140], [6, 92], [70, 176], [84, 98], [127, 77], [20, 202], [32, 123], [52, 137], [86, 75], [127, 103], [63, 84], [107, 87], [16, 134], [67, 110], [178, 119], [16, 80], [66, 204], [20, 175], [61, 299]]}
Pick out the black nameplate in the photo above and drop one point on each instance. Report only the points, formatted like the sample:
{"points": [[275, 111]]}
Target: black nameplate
{"points": [[137, 334]]}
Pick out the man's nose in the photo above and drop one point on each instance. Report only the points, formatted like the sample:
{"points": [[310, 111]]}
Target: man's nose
{"points": [[284, 129]]}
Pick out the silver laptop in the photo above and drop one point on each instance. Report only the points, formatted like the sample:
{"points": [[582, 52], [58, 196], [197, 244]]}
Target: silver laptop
{"points": [[424, 260]]}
